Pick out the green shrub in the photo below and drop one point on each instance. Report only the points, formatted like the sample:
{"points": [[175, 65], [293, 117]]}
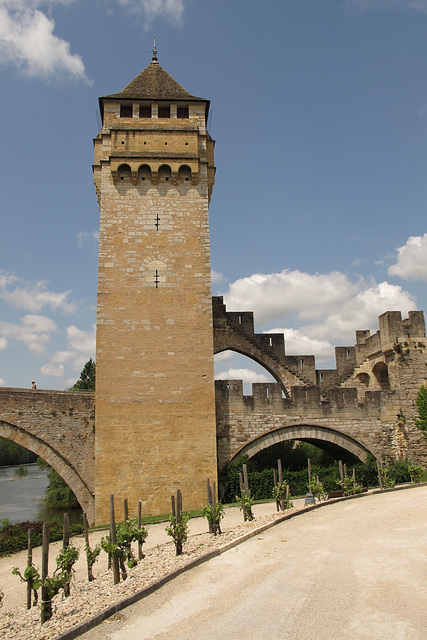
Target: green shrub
{"points": [[399, 471], [14, 537], [421, 421]]}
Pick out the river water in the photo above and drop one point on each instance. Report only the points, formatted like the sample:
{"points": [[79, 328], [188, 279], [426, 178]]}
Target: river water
{"points": [[21, 497]]}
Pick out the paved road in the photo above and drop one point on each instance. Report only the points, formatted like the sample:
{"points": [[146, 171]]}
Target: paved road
{"points": [[353, 570]]}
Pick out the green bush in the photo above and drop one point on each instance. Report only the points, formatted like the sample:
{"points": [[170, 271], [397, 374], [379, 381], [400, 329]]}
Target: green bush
{"points": [[14, 537], [261, 481], [399, 471]]}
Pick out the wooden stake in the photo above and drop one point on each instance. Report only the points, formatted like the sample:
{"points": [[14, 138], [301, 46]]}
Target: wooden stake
{"points": [[173, 506], [46, 604], [29, 563], [354, 478], [279, 467], [178, 505], [309, 474], [341, 473], [245, 478], [345, 471], [86, 529], [65, 543], [140, 554], [126, 509], [275, 485], [379, 474], [66, 531], [90, 575], [113, 539], [209, 490]]}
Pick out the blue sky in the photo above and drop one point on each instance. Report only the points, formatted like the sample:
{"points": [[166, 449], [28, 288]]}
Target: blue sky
{"points": [[319, 112]]}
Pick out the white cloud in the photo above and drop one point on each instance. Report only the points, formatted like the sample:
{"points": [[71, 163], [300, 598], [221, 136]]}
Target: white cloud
{"points": [[246, 375], [34, 331], [3, 343], [297, 343], [88, 237], [32, 296], [360, 6], [324, 307], [2, 382], [277, 295], [51, 369], [39, 324], [81, 346], [27, 41], [224, 355], [82, 342], [411, 259], [61, 357], [216, 277], [172, 10]]}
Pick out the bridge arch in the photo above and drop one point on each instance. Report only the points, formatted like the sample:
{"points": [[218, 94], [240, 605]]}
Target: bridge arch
{"points": [[245, 348], [314, 434], [56, 461]]}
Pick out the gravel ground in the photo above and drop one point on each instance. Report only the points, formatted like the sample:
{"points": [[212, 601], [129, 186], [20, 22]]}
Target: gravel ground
{"points": [[89, 598]]}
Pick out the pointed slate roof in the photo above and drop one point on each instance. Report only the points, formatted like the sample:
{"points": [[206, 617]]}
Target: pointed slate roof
{"points": [[154, 83]]}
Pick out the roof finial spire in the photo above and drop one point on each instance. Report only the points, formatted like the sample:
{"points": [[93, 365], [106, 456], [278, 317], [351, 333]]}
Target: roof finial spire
{"points": [[154, 59]]}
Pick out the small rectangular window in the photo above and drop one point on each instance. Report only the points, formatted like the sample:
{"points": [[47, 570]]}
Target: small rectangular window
{"points": [[126, 111], [182, 112], [164, 112], [145, 111]]}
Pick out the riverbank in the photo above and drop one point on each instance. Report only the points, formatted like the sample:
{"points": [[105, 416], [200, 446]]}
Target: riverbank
{"points": [[21, 496]]}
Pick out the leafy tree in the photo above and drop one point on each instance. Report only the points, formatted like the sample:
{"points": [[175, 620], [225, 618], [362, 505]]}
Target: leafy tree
{"points": [[86, 382], [58, 493], [13, 454]]}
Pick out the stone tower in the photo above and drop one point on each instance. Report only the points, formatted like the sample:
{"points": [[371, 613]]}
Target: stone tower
{"points": [[155, 405]]}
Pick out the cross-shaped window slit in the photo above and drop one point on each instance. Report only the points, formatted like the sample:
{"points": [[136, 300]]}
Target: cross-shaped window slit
{"points": [[157, 279], [157, 222]]}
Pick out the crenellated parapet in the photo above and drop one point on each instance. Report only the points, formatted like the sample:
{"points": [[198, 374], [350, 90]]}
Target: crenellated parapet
{"points": [[268, 397], [366, 364], [235, 331]]}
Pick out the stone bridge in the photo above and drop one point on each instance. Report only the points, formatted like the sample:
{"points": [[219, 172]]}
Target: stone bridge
{"points": [[347, 429], [365, 405], [59, 426]]}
